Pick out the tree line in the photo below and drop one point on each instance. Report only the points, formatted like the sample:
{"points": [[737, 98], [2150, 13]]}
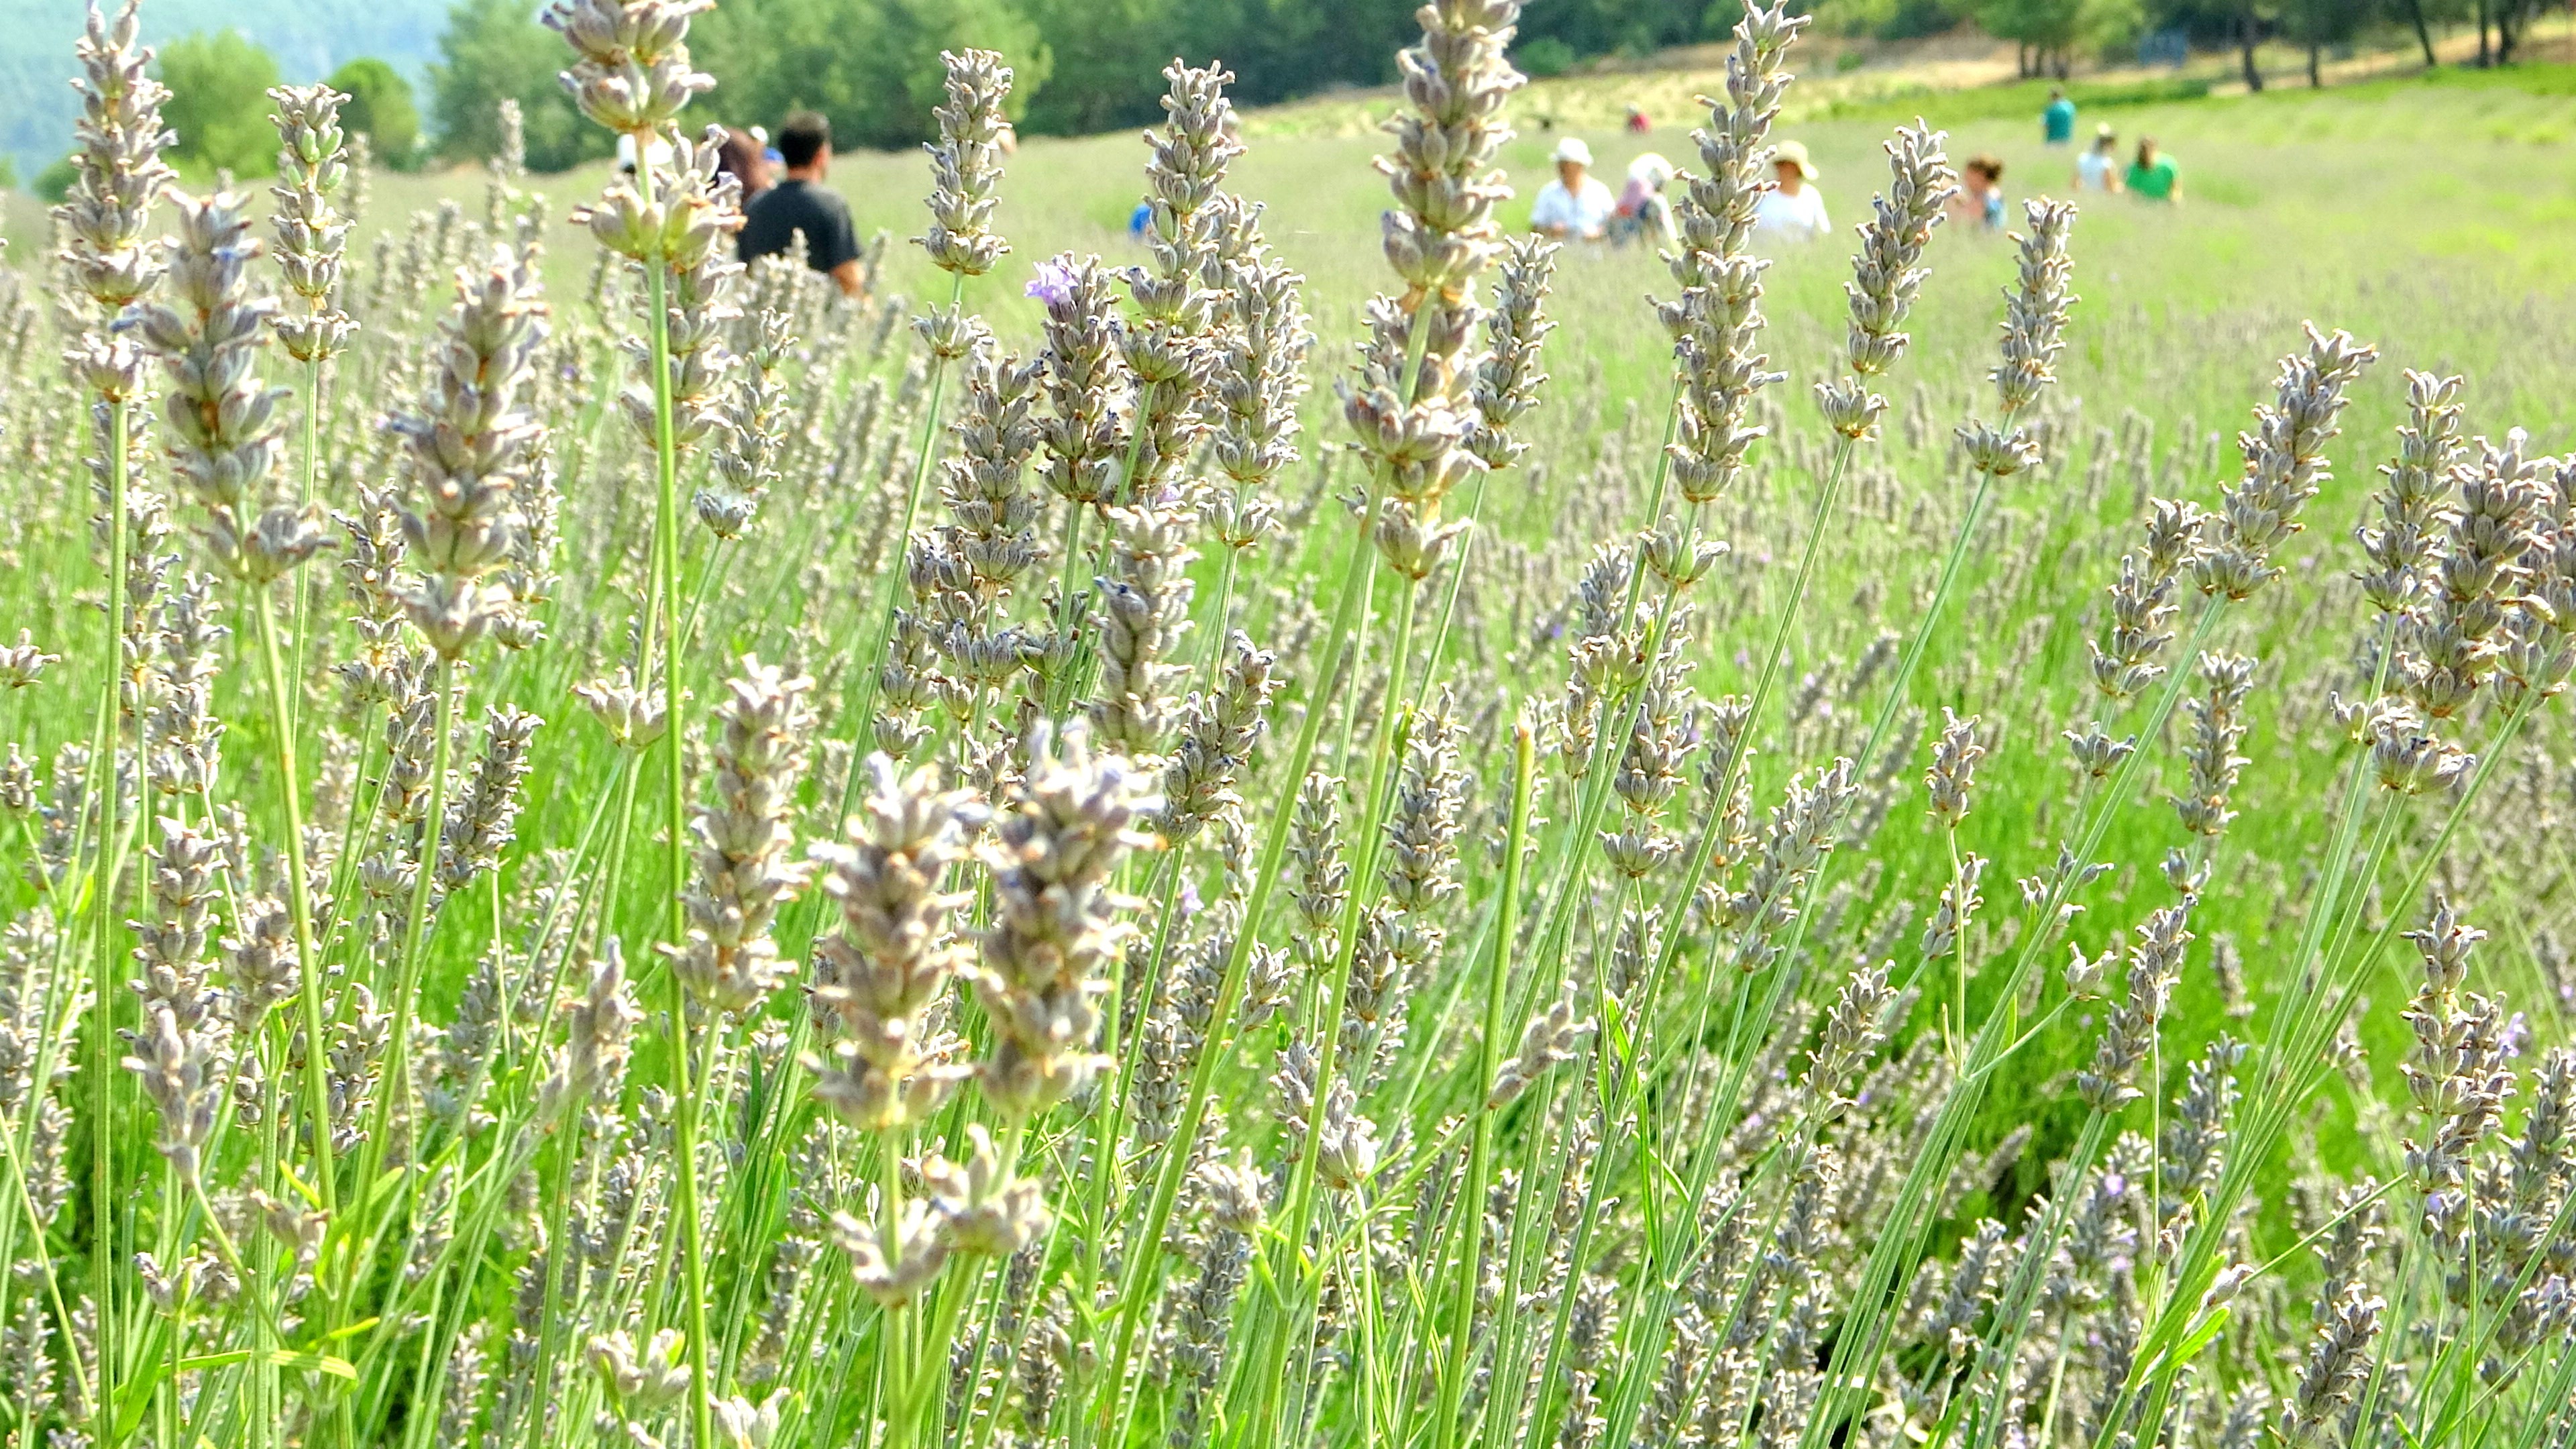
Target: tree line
{"points": [[872, 66]]}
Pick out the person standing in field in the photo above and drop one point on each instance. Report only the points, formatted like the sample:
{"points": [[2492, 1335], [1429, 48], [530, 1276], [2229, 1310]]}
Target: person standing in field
{"points": [[2097, 167], [1575, 206], [2153, 176], [2057, 119], [1794, 211], [801, 205]]}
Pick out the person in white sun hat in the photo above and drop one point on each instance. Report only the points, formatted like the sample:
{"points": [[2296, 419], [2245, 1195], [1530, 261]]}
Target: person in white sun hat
{"points": [[1794, 212], [1645, 213], [1575, 206]]}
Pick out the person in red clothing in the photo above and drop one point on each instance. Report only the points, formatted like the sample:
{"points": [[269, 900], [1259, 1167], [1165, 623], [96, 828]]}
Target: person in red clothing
{"points": [[1638, 125]]}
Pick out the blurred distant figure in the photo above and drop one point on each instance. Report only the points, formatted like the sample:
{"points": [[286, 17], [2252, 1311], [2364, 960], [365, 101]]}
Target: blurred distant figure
{"points": [[746, 160], [2153, 175], [802, 206], [1007, 139], [1794, 212], [1638, 125], [1980, 201], [2097, 167], [661, 153], [2057, 119], [1139, 219], [1575, 206], [1644, 212]]}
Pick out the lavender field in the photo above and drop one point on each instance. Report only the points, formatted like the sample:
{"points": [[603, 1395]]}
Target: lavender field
{"points": [[1334, 826]]}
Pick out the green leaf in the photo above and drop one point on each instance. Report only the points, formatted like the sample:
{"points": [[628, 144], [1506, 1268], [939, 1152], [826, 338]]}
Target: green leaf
{"points": [[285, 1358], [2201, 1336]]}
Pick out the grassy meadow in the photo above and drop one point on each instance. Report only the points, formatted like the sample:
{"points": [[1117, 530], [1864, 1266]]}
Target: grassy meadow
{"points": [[545, 1187]]}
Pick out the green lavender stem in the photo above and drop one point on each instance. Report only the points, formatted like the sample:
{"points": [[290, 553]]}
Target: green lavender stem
{"points": [[1471, 1252], [895, 566], [1167, 1183], [666, 521], [300, 897], [105, 785], [1865, 1337]]}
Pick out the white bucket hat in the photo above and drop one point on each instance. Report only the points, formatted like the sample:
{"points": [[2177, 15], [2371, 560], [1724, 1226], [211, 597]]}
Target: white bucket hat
{"points": [[1572, 149], [1652, 169]]}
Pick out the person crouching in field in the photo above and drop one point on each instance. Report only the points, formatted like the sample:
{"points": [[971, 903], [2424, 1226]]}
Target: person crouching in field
{"points": [[1793, 212], [1645, 213], [2154, 177], [1575, 206], [1980, 200], [801, 205], [2097, 168]]}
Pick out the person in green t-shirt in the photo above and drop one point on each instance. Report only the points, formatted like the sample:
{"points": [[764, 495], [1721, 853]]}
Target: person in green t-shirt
{"points": [[2057, 123], [2154, 175]]}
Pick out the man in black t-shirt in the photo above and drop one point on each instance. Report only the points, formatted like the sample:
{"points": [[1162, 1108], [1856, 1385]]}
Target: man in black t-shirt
{"points": [[802, 204]]}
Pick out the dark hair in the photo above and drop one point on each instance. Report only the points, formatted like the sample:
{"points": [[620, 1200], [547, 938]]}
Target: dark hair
{"points": [[2146, 150], [803, 138], [739, 156], [1987, 166]]}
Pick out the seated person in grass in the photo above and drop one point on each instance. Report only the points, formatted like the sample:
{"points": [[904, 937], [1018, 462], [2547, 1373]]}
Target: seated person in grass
{"points": [[2097, 167], [1980, 201], [1645, 213], [801, 205], [1793, 211], [1575, 206], [2153, 175]]}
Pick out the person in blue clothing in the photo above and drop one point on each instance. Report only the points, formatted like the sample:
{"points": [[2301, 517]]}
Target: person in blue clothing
{"points": [[2057, 122], [1139, 219]]}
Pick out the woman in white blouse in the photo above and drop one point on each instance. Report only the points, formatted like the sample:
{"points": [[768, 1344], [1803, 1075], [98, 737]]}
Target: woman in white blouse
{"points": [[1575, 206], [1793, 212]]}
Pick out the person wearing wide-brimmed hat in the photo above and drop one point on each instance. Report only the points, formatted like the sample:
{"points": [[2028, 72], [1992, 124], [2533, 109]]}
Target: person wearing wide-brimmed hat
{"points": [[1575, 206], [1794, 210], [1645, 213]]}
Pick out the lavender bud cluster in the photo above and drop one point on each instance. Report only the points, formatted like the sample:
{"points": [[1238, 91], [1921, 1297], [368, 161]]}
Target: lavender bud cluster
{"points": [[2285, 464], [1056, 839], [1885, 278], [633, 73], [729, 961], [877, 978], [966, 163], [225, 438], [467, 450], [1717, 323], [312, 159]]}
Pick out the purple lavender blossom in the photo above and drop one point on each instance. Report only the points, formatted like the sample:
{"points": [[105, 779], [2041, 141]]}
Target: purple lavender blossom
{"points": [[1053, 283]]}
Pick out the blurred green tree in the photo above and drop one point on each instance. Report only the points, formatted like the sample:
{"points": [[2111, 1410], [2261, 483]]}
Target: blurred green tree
{"points": [[2315, 24], [219, 105], [2050, 32], [870, 66], [494, 50], [380, 106]]}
